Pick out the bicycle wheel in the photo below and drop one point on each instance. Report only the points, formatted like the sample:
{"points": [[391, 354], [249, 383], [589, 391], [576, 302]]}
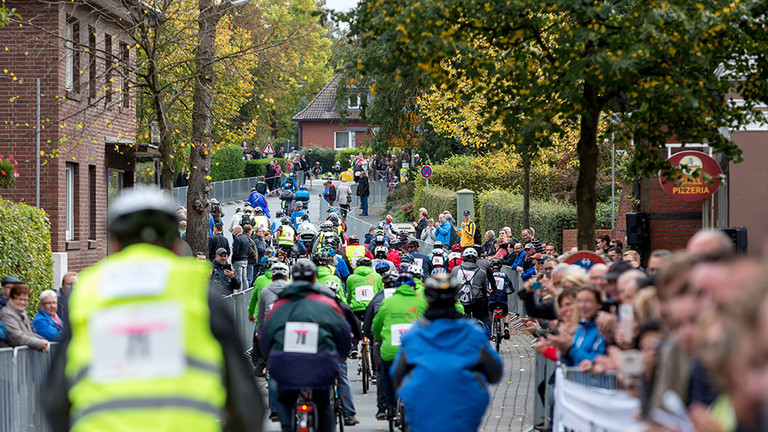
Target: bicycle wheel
{"points": [[401, 416], [497, 333], [337, 411]]}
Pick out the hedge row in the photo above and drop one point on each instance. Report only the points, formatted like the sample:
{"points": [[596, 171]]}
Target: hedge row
{"points": [[25, 242], [342, 156], [258, 167], [435, 199], [227, 163], [326, 158]]}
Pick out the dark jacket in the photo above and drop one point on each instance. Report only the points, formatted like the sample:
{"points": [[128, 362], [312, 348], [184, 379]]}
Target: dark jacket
{"points": [[420, 226], [536, 309], [362, 186], [215, 242], [240, 248], [488, 248], [220, 282], [290, 355]]}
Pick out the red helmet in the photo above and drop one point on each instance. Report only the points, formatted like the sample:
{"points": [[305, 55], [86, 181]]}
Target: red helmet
{"points": [[389, 218], [456, 248]]}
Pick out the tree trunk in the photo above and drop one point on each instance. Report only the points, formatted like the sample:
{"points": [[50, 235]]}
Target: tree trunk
{"points": [[526, 189], [588, 154], [198, 195]]}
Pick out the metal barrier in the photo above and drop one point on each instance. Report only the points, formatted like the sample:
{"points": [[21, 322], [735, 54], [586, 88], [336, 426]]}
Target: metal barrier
{"points": [[238, 303], [23, 376], [543, 388], [608, 380], [233, 190]]}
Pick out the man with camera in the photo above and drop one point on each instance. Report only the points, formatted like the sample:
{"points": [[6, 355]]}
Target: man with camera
{"points": [[223, 276]]}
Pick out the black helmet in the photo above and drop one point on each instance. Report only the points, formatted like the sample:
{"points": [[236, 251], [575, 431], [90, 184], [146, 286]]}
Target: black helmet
{"points": [[441, 289], [389, 279], [285, 221], [413, 244], [407, 258], [143, 215], [380, 252], [364, 261], [496, 264], [304, 270], [321, 257]]}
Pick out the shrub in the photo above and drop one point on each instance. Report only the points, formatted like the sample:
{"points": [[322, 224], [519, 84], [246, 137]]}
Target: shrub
{"points": [[8, 174], [227, 163], [326, 158], [258, 167], [343, 155], [401, 195], [25, 239], [435, 199], [500, 208]]}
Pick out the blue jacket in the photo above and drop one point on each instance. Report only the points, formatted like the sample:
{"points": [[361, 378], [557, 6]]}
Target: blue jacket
{"points": [[46, 327], [210, 225], [296, 217], [426, 265], [502, 283], [301, 195], [443, 233], [519, 260], [3, 334], [258, 200], [445, 363], [288, 184], [341, 266], [587, 343]]}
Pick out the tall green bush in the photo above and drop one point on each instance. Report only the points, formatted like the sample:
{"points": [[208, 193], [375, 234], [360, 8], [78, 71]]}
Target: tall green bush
{"points": [[25, 242], [227, 163], [343, 155], [326, 158], [500, 208], [258, 167], [435, 199]]}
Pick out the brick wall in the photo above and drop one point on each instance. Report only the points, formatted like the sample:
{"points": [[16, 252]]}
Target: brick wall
{"points": [[569, 238], [75, 128], [321, 133], [672, 222]]}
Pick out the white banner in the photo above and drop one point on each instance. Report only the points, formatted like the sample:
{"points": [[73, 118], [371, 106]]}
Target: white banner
{"points": [[588, 409]]}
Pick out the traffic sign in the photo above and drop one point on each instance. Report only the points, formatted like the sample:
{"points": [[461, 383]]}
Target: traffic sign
{"points": [[268, 150], [426, 171], [585, 259]]}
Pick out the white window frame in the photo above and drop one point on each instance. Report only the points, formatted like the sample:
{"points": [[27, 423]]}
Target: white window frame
{"points": [[69, 212], [350, 140], [69, 56], [358, 102]]}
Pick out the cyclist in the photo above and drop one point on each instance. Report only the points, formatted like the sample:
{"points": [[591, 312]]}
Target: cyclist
{"points": [[362, 285], [389, 283], [302, 195], [474, 289], [216, 211], [386, 226], [337, 222], [261, 186], [419, 258], [261, 282], [353, 251], [167, 380], [305, 331], [500, 298], [326, 272], [455, 257], [237, 218], [289, 184], [277, 223], [396, 315], [438, 257], [380, 256], [306, 232], [296, 215], [394, 254], [445, 361], [286, 237], [259, 219], [255, 199]]}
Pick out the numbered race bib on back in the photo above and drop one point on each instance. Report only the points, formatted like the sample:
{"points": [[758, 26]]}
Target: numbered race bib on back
{"points": [[437, 260], [418, 262], [137, 342], [397, 331], [364, 293], [388, 292], [499, 283], [301, 337]]}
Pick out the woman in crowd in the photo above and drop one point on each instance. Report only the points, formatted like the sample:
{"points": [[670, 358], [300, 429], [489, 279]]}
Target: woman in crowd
{"points": [[587, 342], [17, 325], [46, 323]]}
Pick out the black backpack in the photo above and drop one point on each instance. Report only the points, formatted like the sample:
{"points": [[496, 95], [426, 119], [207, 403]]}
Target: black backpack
{"points": [[478, 238]]}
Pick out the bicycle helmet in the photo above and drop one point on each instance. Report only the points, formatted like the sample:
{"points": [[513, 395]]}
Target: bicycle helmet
{"points": [[331, 210], [379, 240], [326, 226], [441, 289], [382, 267], [407, 258], [389, 278], [456, 248], [413, 244], [238, 210], [143, 215], [321, 257], [388, 218], [364, 261], [304, 270], [438, 271], [415, 270], [302, 187], [380, 252], [406, 279], [279, 269], [354, 239], [469, 253], [438, 245], [285, 221], [496, 264], [214, 201]]}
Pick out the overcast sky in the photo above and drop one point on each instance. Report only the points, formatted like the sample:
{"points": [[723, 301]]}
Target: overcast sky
{"points": [[340, 5]]}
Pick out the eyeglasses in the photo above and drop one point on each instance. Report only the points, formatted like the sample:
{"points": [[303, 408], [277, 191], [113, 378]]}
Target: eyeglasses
{"points": [[22, 299]]}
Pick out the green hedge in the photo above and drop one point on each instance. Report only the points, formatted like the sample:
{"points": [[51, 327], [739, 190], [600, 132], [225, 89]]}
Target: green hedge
{"points": [[498, 209], [343, 155], [258, 167], [435, 199], [326, 158], [25, 242], [227, 163]]}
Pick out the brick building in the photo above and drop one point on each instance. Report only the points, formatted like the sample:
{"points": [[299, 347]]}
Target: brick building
{"points": [[82, 58], [321, 124]]}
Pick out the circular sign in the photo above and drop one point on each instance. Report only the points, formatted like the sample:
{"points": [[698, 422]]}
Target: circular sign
{"points": [[699, 177], [584, 259], [426, 171]]}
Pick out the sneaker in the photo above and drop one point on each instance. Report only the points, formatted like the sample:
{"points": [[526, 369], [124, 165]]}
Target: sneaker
{"points": [[506, 332], [350, 420], [273, 417], [381, 414], [353, 353], [374, 379]]}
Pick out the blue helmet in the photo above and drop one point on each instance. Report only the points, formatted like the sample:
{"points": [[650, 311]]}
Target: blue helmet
{"points": [[438, 270], [406, 279], [382, 267]]}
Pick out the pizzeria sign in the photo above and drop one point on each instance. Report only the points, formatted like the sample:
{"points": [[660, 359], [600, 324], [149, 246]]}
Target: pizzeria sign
{"points": [[697, 179]]}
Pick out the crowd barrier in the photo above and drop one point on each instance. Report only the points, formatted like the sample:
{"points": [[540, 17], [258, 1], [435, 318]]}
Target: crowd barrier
{"points": [[23, 375], [238, 304], [234, 190]]}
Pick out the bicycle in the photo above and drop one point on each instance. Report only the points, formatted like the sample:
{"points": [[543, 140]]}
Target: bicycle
{"points": [[497, 327], [338, 413], [397, 418], [364, 364], [304, 413]]}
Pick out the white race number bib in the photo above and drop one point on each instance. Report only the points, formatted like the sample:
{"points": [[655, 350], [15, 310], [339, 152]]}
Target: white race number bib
{"points": [[397, 331], [301, 337], [364, 293], [388, 292]]}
